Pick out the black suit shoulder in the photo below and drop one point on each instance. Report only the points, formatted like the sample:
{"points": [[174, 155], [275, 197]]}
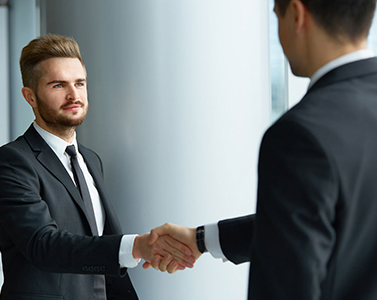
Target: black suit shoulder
{"points": [[41, 208], [45, 236], [316, 187]]}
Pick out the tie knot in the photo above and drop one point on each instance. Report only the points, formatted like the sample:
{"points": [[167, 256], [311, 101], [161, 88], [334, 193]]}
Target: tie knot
{"points": [[71, 150]]}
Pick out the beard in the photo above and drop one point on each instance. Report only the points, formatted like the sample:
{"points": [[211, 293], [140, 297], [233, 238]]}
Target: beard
{"points": [[54, 119]]}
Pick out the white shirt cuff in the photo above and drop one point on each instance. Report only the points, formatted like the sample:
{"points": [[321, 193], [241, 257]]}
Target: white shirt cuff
{"points": [[212, 241], [126, 258]]}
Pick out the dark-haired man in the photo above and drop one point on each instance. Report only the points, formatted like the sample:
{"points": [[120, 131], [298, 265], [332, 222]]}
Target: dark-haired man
{"points": [[314, 233]]}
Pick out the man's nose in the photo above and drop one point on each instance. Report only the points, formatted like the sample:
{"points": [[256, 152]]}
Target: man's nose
{"points": [[72, 93]]}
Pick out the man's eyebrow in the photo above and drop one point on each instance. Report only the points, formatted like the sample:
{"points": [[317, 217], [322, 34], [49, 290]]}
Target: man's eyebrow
{"points": [[64, 81]]}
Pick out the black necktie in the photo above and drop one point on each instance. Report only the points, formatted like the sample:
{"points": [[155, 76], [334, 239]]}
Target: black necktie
{"points": [[82, 187], [99, 285]]}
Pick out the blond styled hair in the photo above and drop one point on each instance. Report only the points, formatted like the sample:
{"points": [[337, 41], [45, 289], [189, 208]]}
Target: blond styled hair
{"points": [[40, 49]]}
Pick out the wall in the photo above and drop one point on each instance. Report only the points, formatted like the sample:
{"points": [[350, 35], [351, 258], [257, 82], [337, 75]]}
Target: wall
{"points": [[23, 27], [179, 99], [4, 76]]}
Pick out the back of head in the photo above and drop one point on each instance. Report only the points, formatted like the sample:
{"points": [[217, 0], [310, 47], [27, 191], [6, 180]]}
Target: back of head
{"points": [[348, 20], [40, 49]]}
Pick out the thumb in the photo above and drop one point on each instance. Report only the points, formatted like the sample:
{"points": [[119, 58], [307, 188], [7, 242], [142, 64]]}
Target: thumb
{"points": [[157, 232], [146, 265], [153, 237]]}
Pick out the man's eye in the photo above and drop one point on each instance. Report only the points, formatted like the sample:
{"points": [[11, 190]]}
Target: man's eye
{"points": [[79, 84], [58, 86]]}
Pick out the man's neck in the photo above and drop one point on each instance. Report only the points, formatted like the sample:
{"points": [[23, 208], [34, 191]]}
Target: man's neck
{"points": [[65, 133], [323, 52]]}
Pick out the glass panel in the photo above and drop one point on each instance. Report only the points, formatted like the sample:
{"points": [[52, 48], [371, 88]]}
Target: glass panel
{"points": [[277, 68], [372, 39]]}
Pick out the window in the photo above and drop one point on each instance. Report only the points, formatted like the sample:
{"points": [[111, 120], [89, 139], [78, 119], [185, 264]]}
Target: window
{"points": [[372, 39], [278, 69]]}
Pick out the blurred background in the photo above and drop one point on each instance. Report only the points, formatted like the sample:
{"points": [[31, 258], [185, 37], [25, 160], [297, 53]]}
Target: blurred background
{"points": [[180, 94]]}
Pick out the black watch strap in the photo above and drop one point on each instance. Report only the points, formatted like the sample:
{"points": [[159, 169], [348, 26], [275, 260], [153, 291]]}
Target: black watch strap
{"points": [[200, 239]]}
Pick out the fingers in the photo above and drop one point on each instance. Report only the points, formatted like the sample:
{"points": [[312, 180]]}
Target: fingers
{"points": [[170, 265], [166, 245], [156, 262], [164, 264], [146, 265], [171, 248], [167, 264], [179, 268], [181, 248]]}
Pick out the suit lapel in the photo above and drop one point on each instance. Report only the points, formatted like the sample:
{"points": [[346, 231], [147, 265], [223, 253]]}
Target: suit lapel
{"points": [[46, 156], [112, 225]]}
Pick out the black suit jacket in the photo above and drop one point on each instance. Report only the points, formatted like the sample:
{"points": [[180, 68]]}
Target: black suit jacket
{"points": [[47, 248], [314, 233]]}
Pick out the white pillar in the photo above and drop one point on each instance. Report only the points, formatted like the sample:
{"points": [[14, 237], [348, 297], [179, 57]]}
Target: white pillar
{"points": [[179, 96], [4, 86], [4, 77], [18, 25]]}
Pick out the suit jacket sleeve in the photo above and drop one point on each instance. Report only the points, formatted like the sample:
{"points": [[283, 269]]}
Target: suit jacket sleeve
{"points": [[236, 237], [28, 225], [297, 195]]}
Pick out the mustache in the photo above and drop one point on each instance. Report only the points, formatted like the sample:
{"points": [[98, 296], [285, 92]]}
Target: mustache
{"points": [[77, 102]]}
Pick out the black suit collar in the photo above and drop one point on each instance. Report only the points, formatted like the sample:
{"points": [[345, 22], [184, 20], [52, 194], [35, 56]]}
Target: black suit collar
{"points": [[51, 162], [346, 72], [46, 156]]}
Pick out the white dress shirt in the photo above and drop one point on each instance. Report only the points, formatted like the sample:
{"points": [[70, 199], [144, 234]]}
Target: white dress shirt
{"points": [[211, 236], [58, 145]]}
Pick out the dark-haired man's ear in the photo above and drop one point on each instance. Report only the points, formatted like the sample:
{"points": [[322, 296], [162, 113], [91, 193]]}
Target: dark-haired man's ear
{"points": [[29, 96], [300, 13]]}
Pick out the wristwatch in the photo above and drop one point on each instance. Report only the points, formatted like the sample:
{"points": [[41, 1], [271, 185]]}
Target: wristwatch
{"points": [[200, 239]]}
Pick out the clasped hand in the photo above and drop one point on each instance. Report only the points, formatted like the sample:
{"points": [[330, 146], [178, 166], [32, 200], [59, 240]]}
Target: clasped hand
{"points": [[169, 248]]}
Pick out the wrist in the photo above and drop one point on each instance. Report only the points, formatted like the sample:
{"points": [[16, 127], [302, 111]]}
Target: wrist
{"points": [[136, 250]]}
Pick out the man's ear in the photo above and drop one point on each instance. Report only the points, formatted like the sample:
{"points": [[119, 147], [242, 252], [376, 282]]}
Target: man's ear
{"points": [[29, 96], [301, 15]]}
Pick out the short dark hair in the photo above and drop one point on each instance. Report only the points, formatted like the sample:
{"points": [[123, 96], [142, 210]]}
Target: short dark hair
{"points": [[40, 49], [340, 18]]}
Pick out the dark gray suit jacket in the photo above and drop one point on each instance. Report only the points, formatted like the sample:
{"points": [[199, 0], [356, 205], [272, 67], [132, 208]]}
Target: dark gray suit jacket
{"points": [[314, 235], [47, 248]]}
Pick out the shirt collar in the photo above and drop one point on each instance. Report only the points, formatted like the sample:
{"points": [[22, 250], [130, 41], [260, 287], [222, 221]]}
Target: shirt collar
{"points": [[345, 59], [57, 144]]}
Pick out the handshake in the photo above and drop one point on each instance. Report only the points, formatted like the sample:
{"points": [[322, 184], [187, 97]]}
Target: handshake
{"points": [[167, 248]]}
